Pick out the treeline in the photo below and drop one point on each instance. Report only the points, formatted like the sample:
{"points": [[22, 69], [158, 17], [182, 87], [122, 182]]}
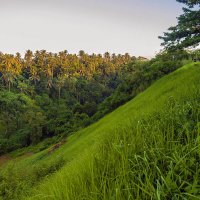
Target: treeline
{"points": [[46, 94], [140, 75]]}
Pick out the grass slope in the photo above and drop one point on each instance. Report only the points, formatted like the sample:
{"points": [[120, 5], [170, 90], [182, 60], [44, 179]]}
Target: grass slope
{"points": [[146, 149]]}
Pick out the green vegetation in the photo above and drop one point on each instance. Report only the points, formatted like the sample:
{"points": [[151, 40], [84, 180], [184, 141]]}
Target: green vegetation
{"points": [[187, 32], [103, 126], [147, 148], [45, 95]]}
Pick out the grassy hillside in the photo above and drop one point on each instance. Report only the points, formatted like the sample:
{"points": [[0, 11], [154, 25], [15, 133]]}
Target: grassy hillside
{"points": [[146, 149]]}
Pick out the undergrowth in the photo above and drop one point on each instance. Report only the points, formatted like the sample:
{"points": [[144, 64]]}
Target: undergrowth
{"points": [[156, 156], [147, 149]]}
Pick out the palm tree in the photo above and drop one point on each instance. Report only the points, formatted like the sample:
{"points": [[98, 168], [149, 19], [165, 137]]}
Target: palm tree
{"points": [[33, 76], [107, 56], [28, 58], [81, 53], [10, 68], [60, 82]]}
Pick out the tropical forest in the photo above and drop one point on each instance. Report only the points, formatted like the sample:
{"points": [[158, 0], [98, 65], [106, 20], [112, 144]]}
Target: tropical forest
{"points": [[93, 125]]}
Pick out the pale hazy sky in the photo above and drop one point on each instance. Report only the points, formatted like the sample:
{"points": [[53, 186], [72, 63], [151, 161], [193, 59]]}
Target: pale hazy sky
{"points": [[97, 26]]}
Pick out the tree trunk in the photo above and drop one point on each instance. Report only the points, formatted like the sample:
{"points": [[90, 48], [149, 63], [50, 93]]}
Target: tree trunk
{"points": [[9, 86], [59, 89]]}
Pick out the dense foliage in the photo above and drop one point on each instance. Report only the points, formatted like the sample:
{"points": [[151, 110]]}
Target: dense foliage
{"points": [[190, 3], [146, 149], [45, 94], [187, 32]]}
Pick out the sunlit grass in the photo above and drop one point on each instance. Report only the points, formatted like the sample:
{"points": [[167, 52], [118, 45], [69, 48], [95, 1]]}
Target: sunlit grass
{"points": [[146, 149]]}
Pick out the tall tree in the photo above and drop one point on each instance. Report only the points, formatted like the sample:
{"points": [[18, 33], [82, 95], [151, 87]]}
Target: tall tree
{"points": [[10, 67], [60, 83], [187, 32], [190, 3]]}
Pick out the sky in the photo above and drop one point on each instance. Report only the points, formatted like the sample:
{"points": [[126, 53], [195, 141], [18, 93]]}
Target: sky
{"points": [[95, 26]]}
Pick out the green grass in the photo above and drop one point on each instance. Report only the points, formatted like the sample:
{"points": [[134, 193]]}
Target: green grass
{"points": [[146, 149]]}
